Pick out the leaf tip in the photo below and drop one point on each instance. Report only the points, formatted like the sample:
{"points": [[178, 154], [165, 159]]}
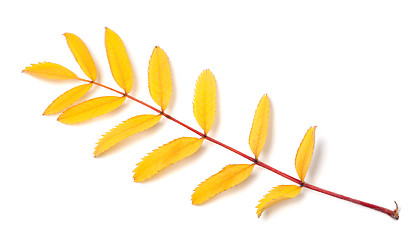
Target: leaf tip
{"points": [[60, 119], [313, 128], [108, 29], [194, 201], [395, 213], [26, 69], [136, 177]]}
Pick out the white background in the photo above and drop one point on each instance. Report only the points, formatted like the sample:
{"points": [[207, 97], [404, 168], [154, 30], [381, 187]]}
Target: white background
{"points": [[345, 66]]}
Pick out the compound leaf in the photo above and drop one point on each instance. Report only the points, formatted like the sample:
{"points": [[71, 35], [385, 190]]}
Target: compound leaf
{"points": [[259, 129], [90, 109], [204, 100], [50, 70], [82, 55], [118, 60], [166, 155], [124, 130], [277, 194], [305, 153], [159, 77], [228, 177], [68, 98]]}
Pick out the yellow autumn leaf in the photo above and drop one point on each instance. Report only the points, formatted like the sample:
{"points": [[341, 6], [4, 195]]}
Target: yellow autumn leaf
{"points": [[50, 70], [259, 129], [82, 55], [90, 109], [118, 60], [204, 100], [159, 76], [166, 155], [228, 177], [124, 130], [68, 98], [305, 153], [279, 193]]}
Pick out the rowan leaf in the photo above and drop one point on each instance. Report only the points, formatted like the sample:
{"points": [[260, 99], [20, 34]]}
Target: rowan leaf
{"points": [[228, 177], [124, 130], [82, 55], [204, 100], [305, 153], [159, 76], [258, 134], [91, 108], [50, 70], [279, 193], [166, 155], [118, 60], [68, 98]]}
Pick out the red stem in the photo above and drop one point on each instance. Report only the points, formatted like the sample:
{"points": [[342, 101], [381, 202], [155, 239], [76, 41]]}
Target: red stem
{"points": [[392, 213]]}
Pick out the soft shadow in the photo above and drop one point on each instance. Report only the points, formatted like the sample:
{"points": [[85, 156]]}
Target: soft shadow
{"points": [[269, 143], [135, 87], [283, 204], [99, 73], [217, 119], [316, 160], [125, 143], [171, 104]]}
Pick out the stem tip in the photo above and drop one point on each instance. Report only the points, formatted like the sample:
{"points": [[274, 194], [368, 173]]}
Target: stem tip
{"points": [[395, 213]]}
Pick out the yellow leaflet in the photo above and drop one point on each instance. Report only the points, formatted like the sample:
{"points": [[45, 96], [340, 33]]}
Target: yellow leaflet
{"points": [[90, 109], [166, 155], [228, 177], [67, 99], [204, 100], [118, 60], [124, 130], [305, 153], [50, 70], [159, 76], [259, 129], [82, 55], [279, 193]]}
